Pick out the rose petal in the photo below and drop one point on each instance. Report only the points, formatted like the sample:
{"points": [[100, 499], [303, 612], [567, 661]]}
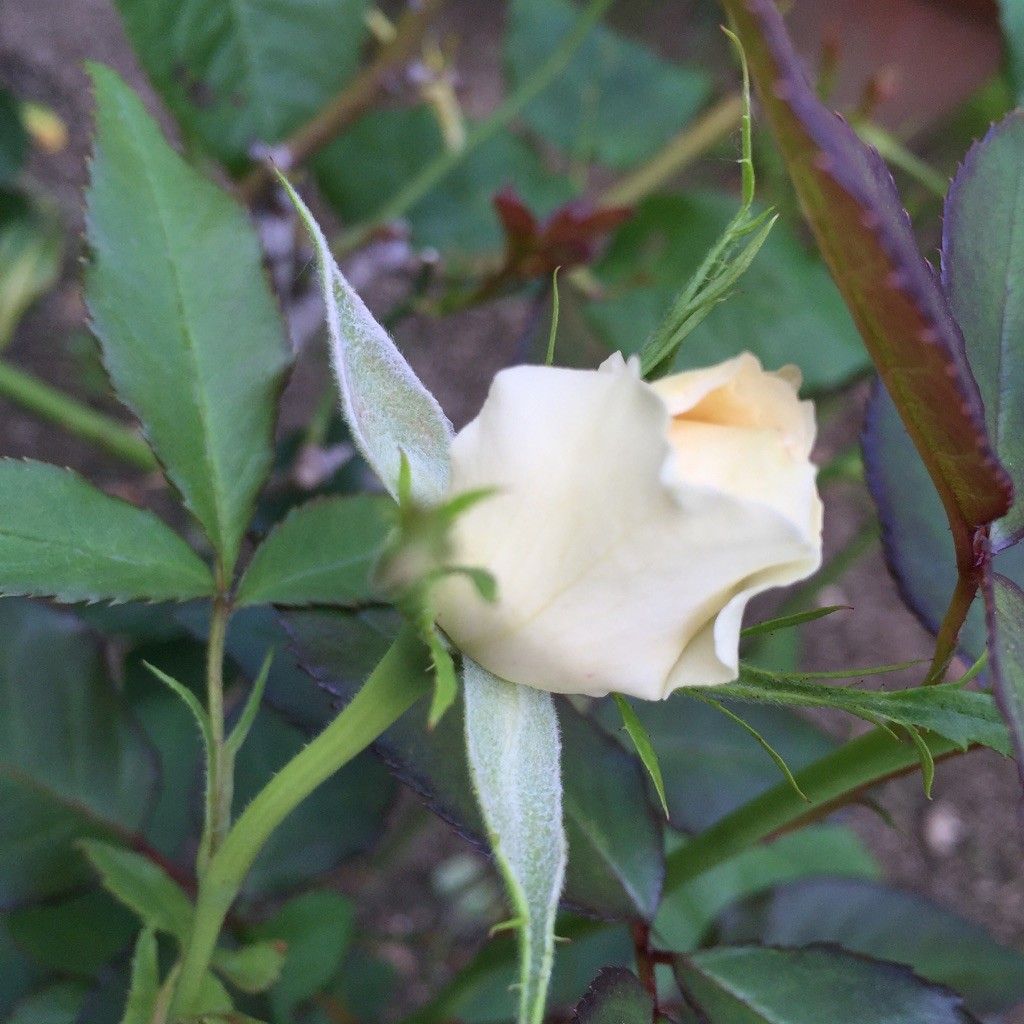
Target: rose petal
{"points": [[612, 572]]}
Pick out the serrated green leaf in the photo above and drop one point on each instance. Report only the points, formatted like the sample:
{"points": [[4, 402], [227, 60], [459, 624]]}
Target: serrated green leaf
{"points": [[615, 997], [142, 886], [513, 748], [590, 109], [240, 74], [390, 413], [324, 552], [964, 716], [754, 985], [316, 928], [254, 967], [61, 537], [190, 333], [644, 748], [982, 255], [874, 919], [145, 984], [72, 762]]}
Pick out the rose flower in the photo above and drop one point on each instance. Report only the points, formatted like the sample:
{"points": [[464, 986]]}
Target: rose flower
{"points": [[630, 522]]}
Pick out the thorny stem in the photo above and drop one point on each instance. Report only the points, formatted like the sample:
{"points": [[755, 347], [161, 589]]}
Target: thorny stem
{"points": [[73, 416], [357, 97]]}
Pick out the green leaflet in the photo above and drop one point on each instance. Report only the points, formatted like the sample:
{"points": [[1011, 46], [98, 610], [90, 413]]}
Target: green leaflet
{"points": [[755, 985], [615, 997], [644, 748], [190, 333], [514, 758], [323, 552], [316, 929], [982, 255], [63, 538], [143, 886], [963, 716]]}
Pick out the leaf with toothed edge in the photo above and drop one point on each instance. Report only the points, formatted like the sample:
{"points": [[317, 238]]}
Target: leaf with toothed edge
{"points": [[982, 256], [766, 985], [864, 234], [615, 997], [61, 537], [191, 335], [1004, 619]]}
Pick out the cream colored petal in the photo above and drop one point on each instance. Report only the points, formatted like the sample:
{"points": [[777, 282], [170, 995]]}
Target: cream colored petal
{"points": [[754, 465], [607, 565], [739, 393]]}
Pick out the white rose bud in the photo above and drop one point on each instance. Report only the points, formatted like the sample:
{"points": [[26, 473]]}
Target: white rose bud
{"points": [[631, 523]]}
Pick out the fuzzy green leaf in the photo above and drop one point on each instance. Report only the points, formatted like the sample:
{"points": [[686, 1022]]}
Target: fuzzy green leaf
{"points": [[514, 752], [191, 335], [390, 413]]}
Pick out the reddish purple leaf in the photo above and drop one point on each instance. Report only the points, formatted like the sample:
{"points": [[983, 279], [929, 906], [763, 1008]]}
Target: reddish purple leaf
{"points": [[865, 236]]}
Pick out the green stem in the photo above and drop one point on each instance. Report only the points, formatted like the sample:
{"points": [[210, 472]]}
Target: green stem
{"points": [[399, 680], [220, 785], [447, 161], [834, 779], [47, 402]]}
